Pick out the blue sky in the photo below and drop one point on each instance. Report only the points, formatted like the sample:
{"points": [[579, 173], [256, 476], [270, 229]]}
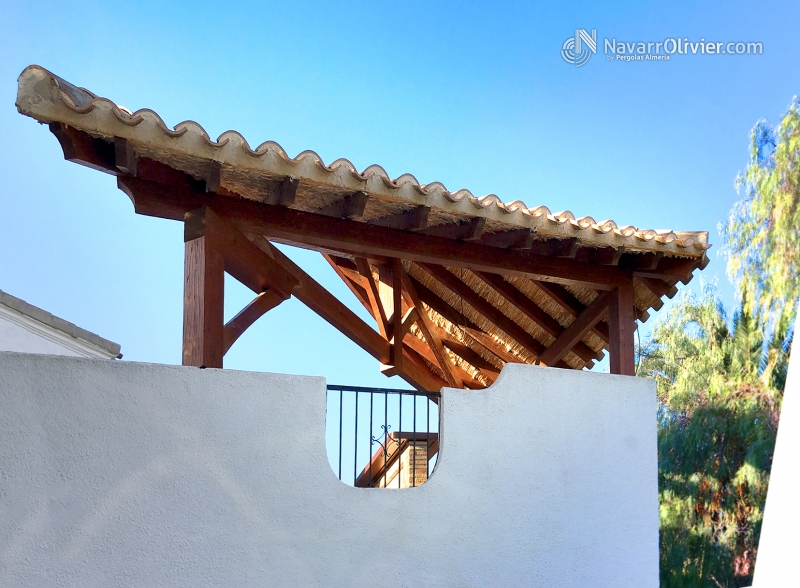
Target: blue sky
{"points": [[473, 95]]}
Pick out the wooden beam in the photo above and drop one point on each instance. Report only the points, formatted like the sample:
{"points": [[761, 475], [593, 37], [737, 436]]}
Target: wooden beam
{"points": [[529, 308], [80, 147], [426, 351], [351, 206], [213, 176], [486, 309], [203, 307], [606, 255], [671, 267], [259, 306], [466, 230], [124, 156], [373, 296], [566, 247], [286, 192], [356, 286], [430, 298], [428, 331], [575, 331], [310, 230], [360, 239], [496, 348], [400, 322], [622, 323], [415, 219], [242, 259], [514, 239], [327, 306], [659, 287], [572, 305]]}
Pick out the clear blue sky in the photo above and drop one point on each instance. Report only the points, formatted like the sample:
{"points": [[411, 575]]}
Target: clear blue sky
{"points": [[473, 95]]}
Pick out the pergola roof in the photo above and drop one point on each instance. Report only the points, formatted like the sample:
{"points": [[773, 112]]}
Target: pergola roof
{"points": [[490, 282]]}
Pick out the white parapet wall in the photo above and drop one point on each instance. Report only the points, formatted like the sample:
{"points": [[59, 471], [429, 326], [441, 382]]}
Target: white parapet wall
{"points": [[126, 474]]}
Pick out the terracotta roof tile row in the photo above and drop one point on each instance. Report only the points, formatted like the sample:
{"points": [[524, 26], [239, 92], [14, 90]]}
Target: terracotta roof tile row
{"points": [[48, 98]]}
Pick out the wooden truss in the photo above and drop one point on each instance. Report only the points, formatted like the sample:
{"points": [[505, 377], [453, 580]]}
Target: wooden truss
{"points": [[405, 273]]}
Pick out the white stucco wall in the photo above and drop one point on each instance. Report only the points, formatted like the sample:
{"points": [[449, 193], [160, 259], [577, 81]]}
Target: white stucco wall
{"points": [[127, 474], [779, 545]]}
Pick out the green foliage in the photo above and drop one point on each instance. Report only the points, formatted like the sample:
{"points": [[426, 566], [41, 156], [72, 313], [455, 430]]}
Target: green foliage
{"points": [[761, 232], [718, 413], [720, 382]]}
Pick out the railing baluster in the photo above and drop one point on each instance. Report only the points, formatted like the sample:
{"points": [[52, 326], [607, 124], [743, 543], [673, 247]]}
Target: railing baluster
{"points": [[386, 435], [355, 441], [341, 395], [428, 428], [399, 440], [414, 454], [370, 439], [390, 448]]}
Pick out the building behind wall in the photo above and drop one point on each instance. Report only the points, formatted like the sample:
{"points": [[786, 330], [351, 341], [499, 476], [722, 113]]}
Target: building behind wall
{"points": [[26, 328]]}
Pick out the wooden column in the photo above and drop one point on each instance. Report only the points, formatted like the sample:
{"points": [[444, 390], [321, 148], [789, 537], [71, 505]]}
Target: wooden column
{"points": [[622, 323], [203, 295]]}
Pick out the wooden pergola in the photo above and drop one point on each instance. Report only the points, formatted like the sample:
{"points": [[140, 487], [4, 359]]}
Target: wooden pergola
{"points": [[457, 285]]}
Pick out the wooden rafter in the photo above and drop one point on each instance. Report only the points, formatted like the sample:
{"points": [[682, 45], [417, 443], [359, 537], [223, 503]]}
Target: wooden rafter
{"points": [[428, 331], [322, 302], [373, 296], [575, 331], [527, 307], [440, 306], [568, 302], [483, 307]]}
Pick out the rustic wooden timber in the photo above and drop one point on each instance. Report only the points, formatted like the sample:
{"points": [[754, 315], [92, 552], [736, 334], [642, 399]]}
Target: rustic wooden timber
{"points": [[568, 302], [213, 176], [360, 239], [327, 306], [400, 321], [203, 303], [485, 308], [80, 147], [468, 230], [575, 331], [222, 225], [286, 193], [426, 351], [351, 206], [351, 280], [243, 260], [374, 297], [415, 219], [622, 322], [427, 328], [259, 306], [659, 287], [515, 239], [527, 307], [124, 156]]}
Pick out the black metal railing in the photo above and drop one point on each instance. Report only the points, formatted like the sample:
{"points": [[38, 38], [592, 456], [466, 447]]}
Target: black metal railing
{"points": [[389, 436]]}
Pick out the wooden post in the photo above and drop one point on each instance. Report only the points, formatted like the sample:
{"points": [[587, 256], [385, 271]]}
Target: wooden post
{"points": [[622, 323], [203, 295]]}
